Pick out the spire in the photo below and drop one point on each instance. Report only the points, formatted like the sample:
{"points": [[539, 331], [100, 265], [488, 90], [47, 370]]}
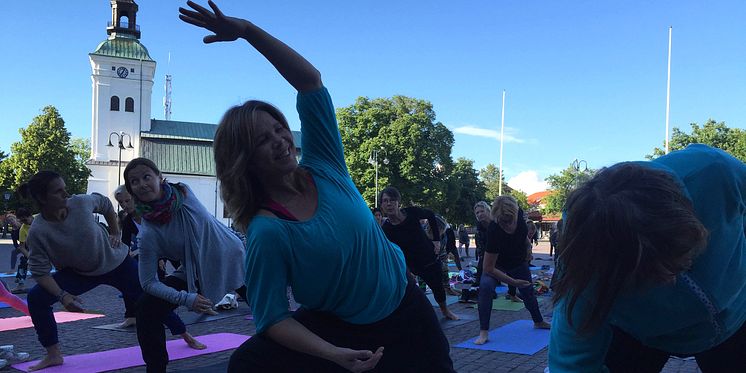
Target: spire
{"points": [[119, 27]]}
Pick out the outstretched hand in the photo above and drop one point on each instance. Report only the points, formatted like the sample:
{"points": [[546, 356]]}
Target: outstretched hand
{"points": [[225, 28], [358, 360]]}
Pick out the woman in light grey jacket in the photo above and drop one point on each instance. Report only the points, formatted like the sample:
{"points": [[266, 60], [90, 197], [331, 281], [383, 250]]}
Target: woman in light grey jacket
{"points": [[178, 227]]}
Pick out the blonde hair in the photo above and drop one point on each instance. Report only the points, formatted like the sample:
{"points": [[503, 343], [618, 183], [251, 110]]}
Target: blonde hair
{"points": [[504, 206], [234, 148]]}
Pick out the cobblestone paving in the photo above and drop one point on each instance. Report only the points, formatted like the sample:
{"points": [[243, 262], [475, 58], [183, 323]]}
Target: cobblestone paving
{"points": [[80, 336]]}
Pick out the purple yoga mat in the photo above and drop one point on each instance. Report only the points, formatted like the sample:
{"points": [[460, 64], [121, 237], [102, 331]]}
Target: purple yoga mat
{"points": [[131, 357]]}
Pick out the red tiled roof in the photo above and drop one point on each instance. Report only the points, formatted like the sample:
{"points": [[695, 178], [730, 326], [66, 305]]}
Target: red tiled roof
{"points": [[537, 197]]}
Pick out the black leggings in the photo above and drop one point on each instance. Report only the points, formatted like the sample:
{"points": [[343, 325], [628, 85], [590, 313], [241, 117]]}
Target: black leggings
{"points": [[626, 354], [411, 336], [433, 276]]}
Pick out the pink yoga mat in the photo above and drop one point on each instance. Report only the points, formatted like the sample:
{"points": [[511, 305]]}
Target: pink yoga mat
{"points": [[131, 356], [13, 323]]}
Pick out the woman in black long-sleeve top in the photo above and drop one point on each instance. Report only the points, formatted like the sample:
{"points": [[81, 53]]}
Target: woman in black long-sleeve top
{"points": [[403, 228]]}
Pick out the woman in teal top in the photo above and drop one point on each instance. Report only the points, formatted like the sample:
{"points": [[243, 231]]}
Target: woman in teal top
{"points": [[666, 242], [308, 227]]}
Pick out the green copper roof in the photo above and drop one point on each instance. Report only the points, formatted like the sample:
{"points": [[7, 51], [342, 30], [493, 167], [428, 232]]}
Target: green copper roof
{"points": [[123, 47], [169, 129], [180, 157]]}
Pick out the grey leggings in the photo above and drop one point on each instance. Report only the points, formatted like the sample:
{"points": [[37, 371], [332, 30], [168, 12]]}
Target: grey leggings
{"points": [[487, 287]]}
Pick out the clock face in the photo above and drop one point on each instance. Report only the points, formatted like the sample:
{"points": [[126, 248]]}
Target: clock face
{"points": [[122, 72]]}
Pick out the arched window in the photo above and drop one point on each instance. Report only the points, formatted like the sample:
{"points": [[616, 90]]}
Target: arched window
{"points": [[114, 103], [129, 104]]}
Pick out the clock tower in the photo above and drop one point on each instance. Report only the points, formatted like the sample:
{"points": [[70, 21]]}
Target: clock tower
{"points": [[122, 86]]}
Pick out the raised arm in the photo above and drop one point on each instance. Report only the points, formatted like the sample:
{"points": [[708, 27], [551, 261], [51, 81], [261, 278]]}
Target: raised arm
{"points": [[291, 65]]}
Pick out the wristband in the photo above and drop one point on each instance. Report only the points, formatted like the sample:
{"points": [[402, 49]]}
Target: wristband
{"points": [[61, 295]]}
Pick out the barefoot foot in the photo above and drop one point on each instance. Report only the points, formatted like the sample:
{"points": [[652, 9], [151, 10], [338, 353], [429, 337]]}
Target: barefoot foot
{"points": [[449, 315], [482, 339], [192, 342], [128, 322], [48, 361], [542, 325]]}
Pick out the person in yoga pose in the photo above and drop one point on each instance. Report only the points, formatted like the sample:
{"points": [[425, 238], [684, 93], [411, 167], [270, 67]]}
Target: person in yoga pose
{"points": [[86, 254], [402, 227], [505, 260], [308, 227], [130, 223], [651, 263], [11, 299], [176, 226]]}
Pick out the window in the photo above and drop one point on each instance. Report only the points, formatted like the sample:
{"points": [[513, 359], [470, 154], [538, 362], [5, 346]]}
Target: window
{"points": [[132, 70], [113, 68], [129, 104], [114, 103]]}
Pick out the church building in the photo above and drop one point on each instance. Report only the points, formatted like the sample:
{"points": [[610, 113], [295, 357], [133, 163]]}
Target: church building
{"points": [[122, 126]]}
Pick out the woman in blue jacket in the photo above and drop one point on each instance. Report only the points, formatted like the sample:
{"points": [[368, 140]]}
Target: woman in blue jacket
{"points": [[665, 240]]}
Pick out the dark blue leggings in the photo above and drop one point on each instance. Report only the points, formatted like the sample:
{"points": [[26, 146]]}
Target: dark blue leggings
{"points": [[487, 287], [124, 278]]}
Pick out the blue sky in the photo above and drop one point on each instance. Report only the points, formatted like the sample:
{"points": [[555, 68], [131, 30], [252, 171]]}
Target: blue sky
{"points": [[584, 79]]}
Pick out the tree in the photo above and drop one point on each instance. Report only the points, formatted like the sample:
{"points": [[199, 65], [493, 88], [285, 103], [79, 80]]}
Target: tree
{"points": [[82, 149], [718, 135], [562, 184], [45, 145], [464, 190], [405, 132], [490, 176]]}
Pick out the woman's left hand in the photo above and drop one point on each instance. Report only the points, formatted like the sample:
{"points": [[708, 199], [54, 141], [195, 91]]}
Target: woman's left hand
{"points": [[225, 28]]}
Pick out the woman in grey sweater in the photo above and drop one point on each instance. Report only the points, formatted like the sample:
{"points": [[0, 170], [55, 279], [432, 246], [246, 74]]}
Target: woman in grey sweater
{"points": [[178, 227], [86, 255]]}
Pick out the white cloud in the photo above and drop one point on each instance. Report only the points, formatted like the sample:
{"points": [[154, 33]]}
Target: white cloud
{"points": [[528, 182], [492, 134]]}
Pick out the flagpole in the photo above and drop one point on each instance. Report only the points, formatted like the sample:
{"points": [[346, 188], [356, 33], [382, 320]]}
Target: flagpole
{"points": [[502, 132], [668, 85]]}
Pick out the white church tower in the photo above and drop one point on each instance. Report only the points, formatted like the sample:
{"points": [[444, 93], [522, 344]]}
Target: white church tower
{"points": [[122, 84]]}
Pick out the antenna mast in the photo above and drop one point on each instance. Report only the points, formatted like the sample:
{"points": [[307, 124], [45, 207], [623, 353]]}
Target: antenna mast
{"points": [[167, 97]]}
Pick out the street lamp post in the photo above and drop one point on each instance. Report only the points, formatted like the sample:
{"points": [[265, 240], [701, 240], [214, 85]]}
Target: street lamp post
{"points": [[579, 165], [6, 197], [373, 159], [120, 141]]}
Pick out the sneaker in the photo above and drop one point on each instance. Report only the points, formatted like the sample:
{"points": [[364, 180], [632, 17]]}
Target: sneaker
{"points": [[3, 363], [7, 353]]}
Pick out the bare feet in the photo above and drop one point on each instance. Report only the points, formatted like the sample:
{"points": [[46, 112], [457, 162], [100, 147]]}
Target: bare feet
{"points": [[542, 325], [53, 357], [128, 322], [448, 314], [514, 298], [482, 339], [192, 342]]}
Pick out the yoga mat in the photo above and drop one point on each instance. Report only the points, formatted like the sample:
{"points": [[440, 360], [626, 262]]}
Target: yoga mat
{"points": [[450, 299], [131, 356], [518, 337], [3, 305], [217, 368], [463, 319], [502, 304], [13, 323]]}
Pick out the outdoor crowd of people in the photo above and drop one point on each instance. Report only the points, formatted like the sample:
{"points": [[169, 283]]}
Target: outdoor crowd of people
{"points": [[646, 253]]}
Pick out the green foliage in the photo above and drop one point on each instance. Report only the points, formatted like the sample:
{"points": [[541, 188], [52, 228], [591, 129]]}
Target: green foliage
{"points": [[490, 176], [464, 190], [562, 184], [45, 145], [405, 132], [718, 135]]}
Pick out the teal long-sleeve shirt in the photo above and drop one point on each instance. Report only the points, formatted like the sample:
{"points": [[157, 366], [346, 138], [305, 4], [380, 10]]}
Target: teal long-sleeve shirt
{"points": [[338, 261], [706, 304]]}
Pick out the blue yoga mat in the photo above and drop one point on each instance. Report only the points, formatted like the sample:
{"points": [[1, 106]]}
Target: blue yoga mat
{"points": [[518, 337], [3, 305]]}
